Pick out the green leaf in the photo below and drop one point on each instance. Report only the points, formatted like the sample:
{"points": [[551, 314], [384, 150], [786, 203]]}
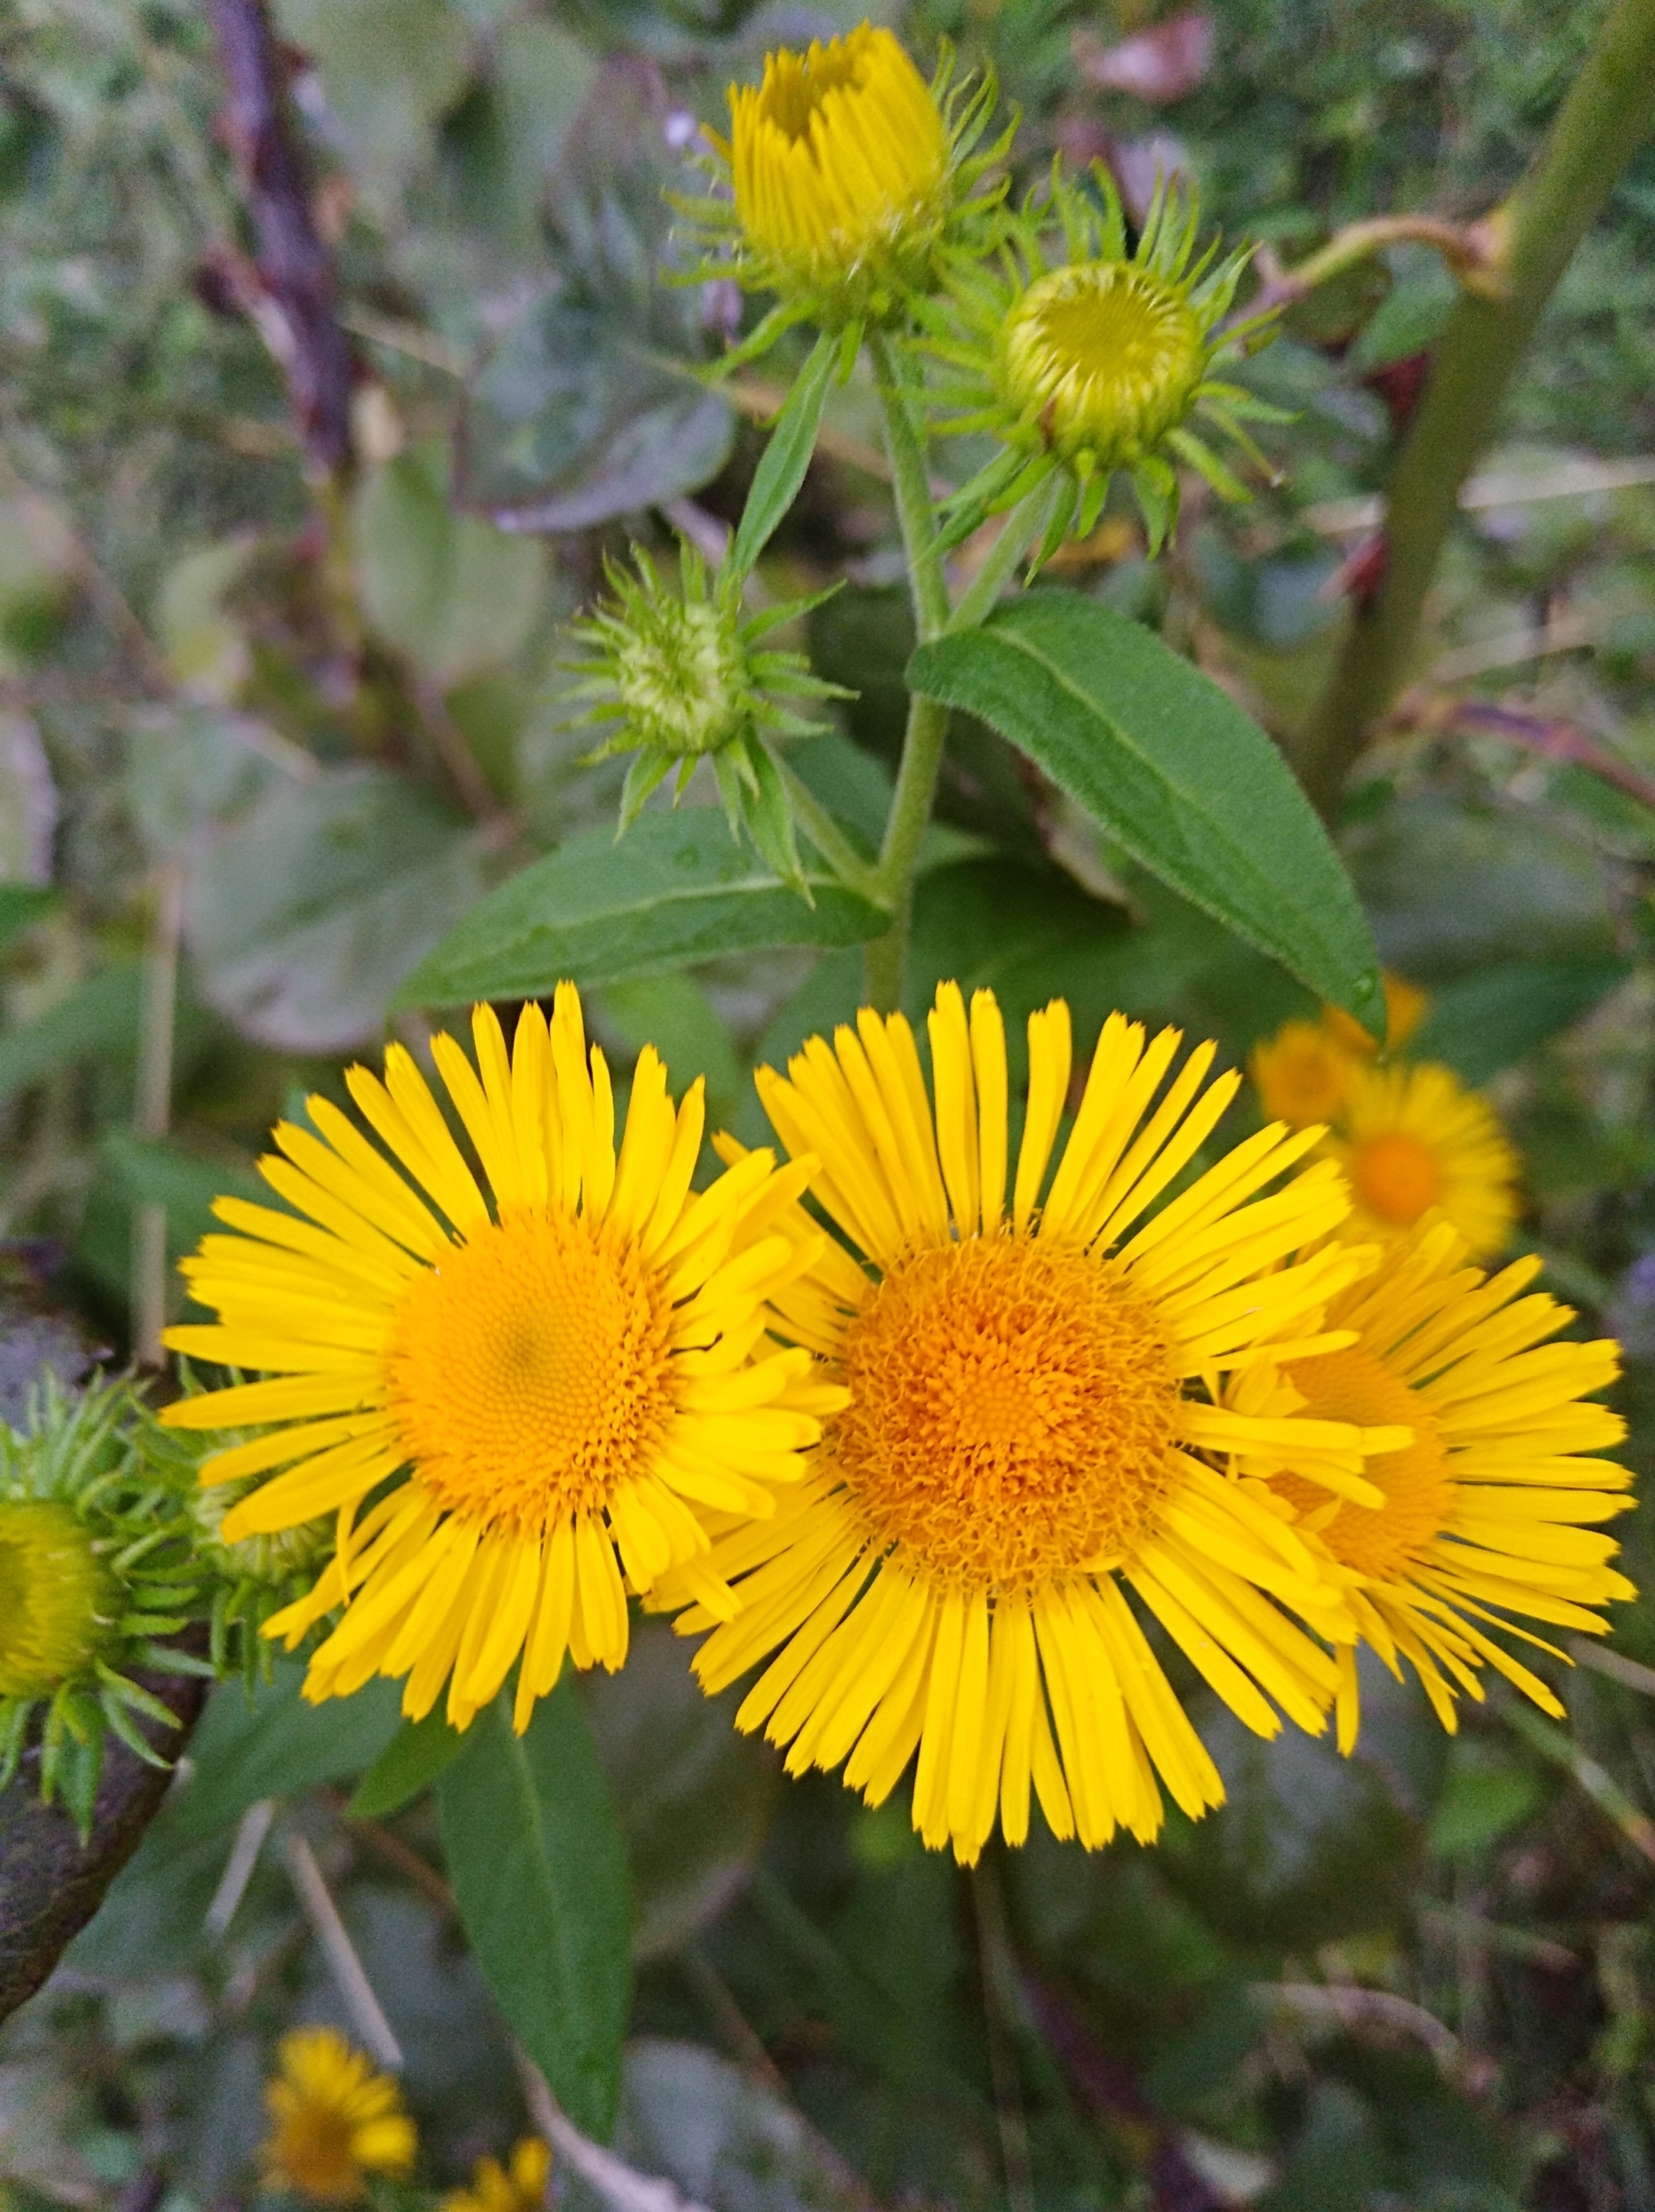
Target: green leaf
{"points": [[305, 913], [100, 1020], [781, 471], [1481, 1024], [674, 1014], [726, 2137], [272, 1744], [538, 1872], [416, 1755], [21, 905], [1173, 769], [677, 890]]}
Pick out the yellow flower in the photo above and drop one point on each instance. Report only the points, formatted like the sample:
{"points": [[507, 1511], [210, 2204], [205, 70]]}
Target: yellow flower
{"points": [[494, 2189], [1490, 1506], [579, 1371], [1104, 361], [334, 2120], [56, 1597], [1414, 1139], [1028, 1430], [850, 182], [1302, 1074]]}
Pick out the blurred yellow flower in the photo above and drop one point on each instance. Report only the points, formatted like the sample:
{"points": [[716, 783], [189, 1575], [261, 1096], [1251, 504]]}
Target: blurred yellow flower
{"points": [[334, 2120], [522, 2187], [1490, 1506], [1302, 1074], [1414, 1140], [579, 1373], [1028, 1431]]}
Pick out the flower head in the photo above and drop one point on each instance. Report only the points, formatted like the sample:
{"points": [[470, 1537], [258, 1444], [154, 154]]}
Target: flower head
{"points": [[1094, 361], [503, 1405], [1302, 1074], [95, 1565], [684, 677], [1414, 1141], [520, 2188], [1488, 1512], [1027, 1432], [850, 182], [334, 2120]]}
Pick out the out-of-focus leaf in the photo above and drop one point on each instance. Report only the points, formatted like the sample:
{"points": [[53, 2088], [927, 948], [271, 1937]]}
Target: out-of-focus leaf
{"points": [[160, 1173], [1172, 768], [390, 70], [411, 1762], [1450, 888], [1481, 1024], [589, 406], [453, 593], [205, 649], [674, 1014], [98, 1020], [675, 890], [694, 1798], [1487, 1793], [273, 1744], [1411, 315], [28, 801], [306, 914], [189, 768], [21, 905], [538, 1868], [729, 2143]]}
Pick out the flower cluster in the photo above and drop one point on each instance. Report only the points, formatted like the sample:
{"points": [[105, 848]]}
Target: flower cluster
{"points": [[1414, 1142], [933, 1472]]}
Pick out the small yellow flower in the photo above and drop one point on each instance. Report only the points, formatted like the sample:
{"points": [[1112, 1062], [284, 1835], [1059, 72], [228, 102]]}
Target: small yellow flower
{"points": [[1302, 1074], [521, 1400], [334, 2120], [495, 2188], [1029, 1434], [1406, 1005], [850, 182], [1103, 362], [1414, 1139], [1490, 1505]]}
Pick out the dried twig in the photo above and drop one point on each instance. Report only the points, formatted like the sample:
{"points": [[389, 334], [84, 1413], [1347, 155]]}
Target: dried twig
{"points": [[1349, 2004], [237, 1867], [374, 2030], [1615, 1664], [1557, 1745], [300, 321], [620, 2186], [1551, 740]]}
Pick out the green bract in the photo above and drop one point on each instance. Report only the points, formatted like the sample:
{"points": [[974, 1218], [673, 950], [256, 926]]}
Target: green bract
{"points": [[682, 677], [96, 1561], [1094, 359]]}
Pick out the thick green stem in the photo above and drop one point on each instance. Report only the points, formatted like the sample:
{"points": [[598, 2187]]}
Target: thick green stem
{"points": [[1601, 123], [928, 722]]}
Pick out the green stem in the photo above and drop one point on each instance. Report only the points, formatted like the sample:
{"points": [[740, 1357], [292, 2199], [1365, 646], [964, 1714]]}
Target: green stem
{"points": [[1596, 132], [886, 958], [856, 874], [1023, 525]]}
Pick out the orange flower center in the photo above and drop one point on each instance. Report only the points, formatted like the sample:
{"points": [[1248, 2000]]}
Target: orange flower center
{"points": [[529, 1371], [1395, 1177], [1011, 1412], [1387, 1541], [314, 2152]]}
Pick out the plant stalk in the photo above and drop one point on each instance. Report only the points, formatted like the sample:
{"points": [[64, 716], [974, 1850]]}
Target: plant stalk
{"points": [[1023, 525], [1535, 235], [856, 874], [886, 958]]}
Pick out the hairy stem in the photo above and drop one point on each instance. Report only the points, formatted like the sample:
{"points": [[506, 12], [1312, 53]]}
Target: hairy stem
{"points": [[928, 722], [1022, 527], [1597, 129], [856, 874]]}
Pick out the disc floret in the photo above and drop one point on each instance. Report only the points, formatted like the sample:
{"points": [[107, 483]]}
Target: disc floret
{"points": [[847, 185], [95, 1564], [1085, 359], [682, 676]]}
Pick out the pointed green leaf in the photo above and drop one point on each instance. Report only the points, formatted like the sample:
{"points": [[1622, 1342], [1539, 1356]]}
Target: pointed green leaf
{"points": [[1173, 769], [676, 889], [538, 1870], [781, 471], [416, 1755]]}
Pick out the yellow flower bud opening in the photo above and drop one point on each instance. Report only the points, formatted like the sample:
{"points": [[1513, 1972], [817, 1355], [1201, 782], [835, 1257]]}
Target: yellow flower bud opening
{"points": [[1109, 358], [840, 155], [53, 1593]]}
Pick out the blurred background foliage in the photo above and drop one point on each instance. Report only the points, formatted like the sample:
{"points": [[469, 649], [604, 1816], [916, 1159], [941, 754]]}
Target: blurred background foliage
{"points": [[259, 752]]}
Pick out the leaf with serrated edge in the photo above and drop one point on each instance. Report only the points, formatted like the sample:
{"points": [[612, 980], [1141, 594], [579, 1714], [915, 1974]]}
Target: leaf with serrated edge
{"points": [[1173, 769]]}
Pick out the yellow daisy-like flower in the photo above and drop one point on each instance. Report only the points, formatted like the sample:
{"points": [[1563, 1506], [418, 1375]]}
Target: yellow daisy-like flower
{"points": [[334, 2120], [578, 1372], [495, 2188], [850, 179], [1302, 1074], [1029, 1430], [1488, 1511], [1414, 1139]]}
